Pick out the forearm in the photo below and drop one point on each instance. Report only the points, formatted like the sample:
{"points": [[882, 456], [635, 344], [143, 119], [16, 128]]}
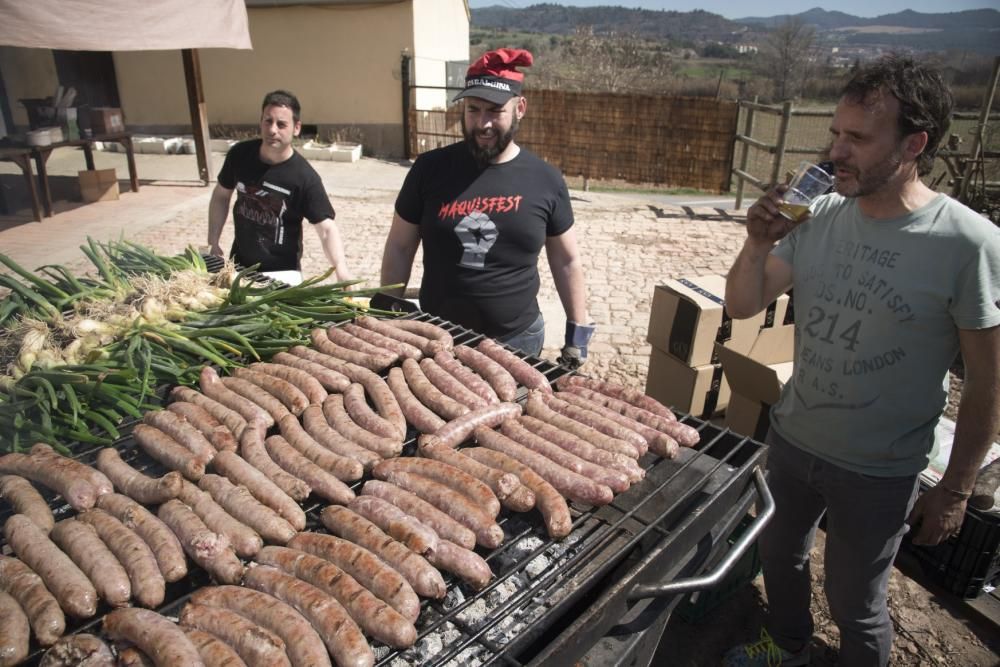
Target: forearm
{"points": [[975, 430], [572, 290], [333, 248], [397, 264], [218, 211], [746, 283]]}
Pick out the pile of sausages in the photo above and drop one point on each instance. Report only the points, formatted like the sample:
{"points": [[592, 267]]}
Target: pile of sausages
{"points": [[232, 488]]}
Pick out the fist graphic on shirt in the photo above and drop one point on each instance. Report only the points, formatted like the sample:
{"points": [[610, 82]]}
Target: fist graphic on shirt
{"points": [[478, 234]]}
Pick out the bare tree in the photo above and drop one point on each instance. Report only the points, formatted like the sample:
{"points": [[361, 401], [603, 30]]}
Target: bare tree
{"points": [[786, 57], [615, 62]]}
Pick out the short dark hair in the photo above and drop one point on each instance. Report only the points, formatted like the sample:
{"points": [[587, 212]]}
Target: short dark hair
{"points": [[925, 102], [282, 98]]}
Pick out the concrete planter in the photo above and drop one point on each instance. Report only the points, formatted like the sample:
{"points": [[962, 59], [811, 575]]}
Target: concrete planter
{"points": [[156, 145], [221, 145], [345, 152], [312, 150]]}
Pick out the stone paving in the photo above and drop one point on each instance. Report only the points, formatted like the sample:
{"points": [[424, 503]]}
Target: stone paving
{"points": [[629, 243]]}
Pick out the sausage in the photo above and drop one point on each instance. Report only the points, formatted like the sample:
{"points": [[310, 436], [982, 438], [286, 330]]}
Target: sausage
{"points": [[293, 398], [322, 482], [685, 435], [373, 362], [428, 394], [157, 536], [357, 407], [619, 392], [217, 433], [239, 472], [212, 386], [364, 566], [439, 337], [449, 385], [154, 635], [469, 379], [374, 616], [78, 650], [168, 451], [209, 550], [458, 430], [378, 391], [418, 414], [444, 473], [319, 430], [423, 511], [26, 500], [242, 506], [328, 378], [383, 327], [213, 651], [75, 489], [336, 415], [536, 407], [303, 381], [401, 526], [351, 342], [582, 448], [256, 645], [71, 587], [130, 656], [522, 371], [304, 646], [258, 396], [467, 565], [244, 540], [134, 484], [42, 609], [404, 350], [228, 417], [507, 487], [343, 468], [615, 480], [15, 635], [424, 579], [548, 500], [182, 432], [253, 452], [80, 542], [596, 421], [498, 377], [574, 486], [46, 453], [658, 442], [148, 585], [335, 626]]}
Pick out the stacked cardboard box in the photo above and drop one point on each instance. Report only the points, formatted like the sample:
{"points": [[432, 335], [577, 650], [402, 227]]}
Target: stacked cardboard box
{"points": [[756, 378]]}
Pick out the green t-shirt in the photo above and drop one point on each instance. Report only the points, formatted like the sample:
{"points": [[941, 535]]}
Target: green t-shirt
{"points": [[878, 305]]}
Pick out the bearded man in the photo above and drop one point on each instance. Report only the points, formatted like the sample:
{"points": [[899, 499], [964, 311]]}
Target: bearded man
{"points": [[483, 209], [891, 281]]}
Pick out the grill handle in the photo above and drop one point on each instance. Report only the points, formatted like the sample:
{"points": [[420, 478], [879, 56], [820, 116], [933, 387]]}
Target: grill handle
{"points": [[641, 591]]}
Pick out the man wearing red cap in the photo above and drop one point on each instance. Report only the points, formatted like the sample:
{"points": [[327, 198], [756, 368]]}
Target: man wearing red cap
{"points": [[483, 208]]}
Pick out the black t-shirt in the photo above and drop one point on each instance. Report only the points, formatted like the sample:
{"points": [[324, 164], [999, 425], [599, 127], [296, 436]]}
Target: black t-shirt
{"points": [[482, 231], [271, 201]]}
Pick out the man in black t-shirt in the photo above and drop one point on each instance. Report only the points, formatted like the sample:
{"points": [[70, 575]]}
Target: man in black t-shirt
{"points": [[275, 189], [483, 209]]}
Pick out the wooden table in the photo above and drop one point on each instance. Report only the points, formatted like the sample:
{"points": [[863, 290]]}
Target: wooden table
{"points": [[22, 158]]}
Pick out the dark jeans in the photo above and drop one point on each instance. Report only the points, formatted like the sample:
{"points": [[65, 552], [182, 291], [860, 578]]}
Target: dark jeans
{"points": [[864, 526], [530, 340]]}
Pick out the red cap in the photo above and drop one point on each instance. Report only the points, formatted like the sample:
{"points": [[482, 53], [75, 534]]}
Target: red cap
{"points": [[494, 76]]}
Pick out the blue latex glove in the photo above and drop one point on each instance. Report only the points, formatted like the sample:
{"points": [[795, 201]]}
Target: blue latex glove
{"points": [[574, 352]]}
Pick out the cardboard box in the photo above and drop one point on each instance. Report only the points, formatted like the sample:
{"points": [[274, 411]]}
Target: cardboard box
{"points": [[688, 318], [106, 120], [701, 390], [98, 185], [756, 378]]}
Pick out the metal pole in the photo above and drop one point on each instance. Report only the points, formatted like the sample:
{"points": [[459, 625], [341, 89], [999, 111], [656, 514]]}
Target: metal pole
{"points": [[984, 115], [779, 150], [404, 70]]}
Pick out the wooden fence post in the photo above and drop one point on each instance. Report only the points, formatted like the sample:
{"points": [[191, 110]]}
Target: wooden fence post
{"points": [[779, 150], [984, 116], [744, 158]]}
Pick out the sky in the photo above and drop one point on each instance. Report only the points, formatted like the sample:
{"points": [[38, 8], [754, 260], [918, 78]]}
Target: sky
{"points": [[733, 9]]}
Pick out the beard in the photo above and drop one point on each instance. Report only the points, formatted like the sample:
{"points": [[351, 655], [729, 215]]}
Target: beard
{"points": [[484, 155], [871, 180]]}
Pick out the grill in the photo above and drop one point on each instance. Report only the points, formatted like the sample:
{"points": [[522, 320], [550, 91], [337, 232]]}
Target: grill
{"points": [[604, 591]]}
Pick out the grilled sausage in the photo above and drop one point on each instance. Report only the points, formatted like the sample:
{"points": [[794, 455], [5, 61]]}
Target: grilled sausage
{"points": [[536, 407], [458, 430], [357, 407], [253, 452], [154, 635], [182, 432], [50, 456], [416, 413], [378, 392], [80, 542], [26, 500], [71, 587], [619, 392], [498, 377], [444, 473], [242, 506], [218, 434], [256, 645], [78, 650], [157, 536], [468, 378], [76, 490], [336, 415], [449, 385], [168, 451], [293, 398], [423, 511], [507, 487], [684, 435], [373, 362], [346, 340], [130, 656], [522, 371], [330, 379], [364, 566], [401, 526], [239, 472], [148, 585], [303, 381], [319, 430], [335, 626], [213, 387], [343, 468], [374, 616], [548, 500], [467, 565], [134, 484], [425, 580], [228, 417], [428, 394], [209, 550], [404, 350], [571, 443], [244, 540], [14, 638], [658, 442], [258, 396], [304, 646], [323, 483], [597, 422], [439, 337], [214, 651], [44, 615], [383, 327]]}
